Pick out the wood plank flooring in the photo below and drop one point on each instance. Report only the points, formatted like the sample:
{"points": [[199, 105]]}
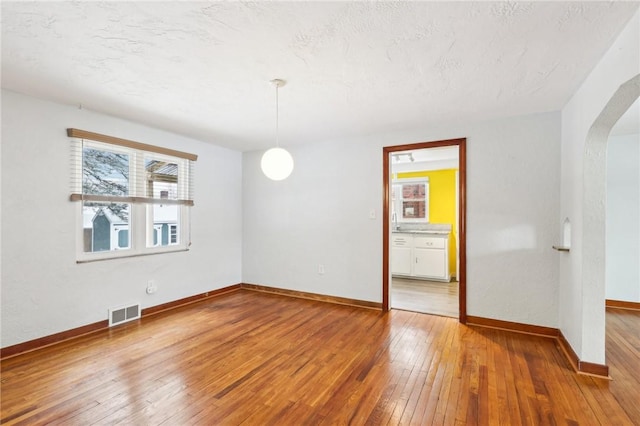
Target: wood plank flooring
{"points": [[623, 358], [255, 359], [429, 297]]}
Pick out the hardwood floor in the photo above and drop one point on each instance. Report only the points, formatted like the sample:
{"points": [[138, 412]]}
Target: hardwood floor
{"points": [[429, 297], [623, 358], [254, 358]]}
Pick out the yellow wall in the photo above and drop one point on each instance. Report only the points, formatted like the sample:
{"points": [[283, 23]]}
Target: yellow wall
{"points": [[442, 203]]}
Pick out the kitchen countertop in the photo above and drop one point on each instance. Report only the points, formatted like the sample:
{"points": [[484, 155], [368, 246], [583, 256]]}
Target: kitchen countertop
{"points": [[414, 231]]}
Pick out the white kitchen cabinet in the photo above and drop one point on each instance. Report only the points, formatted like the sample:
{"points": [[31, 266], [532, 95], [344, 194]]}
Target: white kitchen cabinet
{"points": [[428, 256], [429, 263], [401, 254]]}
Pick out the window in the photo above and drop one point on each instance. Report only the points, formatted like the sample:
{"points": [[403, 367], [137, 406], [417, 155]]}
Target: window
{"points": [[410, 200], [174, 234], [133, 198]]}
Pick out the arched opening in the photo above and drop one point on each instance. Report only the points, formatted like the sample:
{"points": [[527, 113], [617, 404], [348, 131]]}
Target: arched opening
{"points": [[622, 284], [594, 214]]}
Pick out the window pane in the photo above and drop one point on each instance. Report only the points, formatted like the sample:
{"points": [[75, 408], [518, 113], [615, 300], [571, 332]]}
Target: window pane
{"points": [[105, 226], [105, 172], [166, 225], [123, 238], [413, 209], [413, 191], [162, 179]]}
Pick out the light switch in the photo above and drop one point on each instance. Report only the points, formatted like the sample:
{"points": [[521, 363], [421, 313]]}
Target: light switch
{"points": [[372, 214]]}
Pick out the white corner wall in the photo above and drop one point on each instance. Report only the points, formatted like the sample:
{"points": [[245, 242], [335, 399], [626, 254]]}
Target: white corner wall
{"points": [[581, 315], [623, 218], [44, 290], [320, 215]]}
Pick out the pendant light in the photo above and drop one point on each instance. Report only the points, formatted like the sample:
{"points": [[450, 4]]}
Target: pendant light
{"points": [[277, 163]]}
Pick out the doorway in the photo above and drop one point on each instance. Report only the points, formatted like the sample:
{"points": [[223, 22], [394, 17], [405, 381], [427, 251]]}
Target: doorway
{"points": [[433, 249]]}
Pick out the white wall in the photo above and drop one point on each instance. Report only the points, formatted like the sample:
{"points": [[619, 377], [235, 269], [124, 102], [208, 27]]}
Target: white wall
{"points": [[44, 290], [582, 306], [320, 216], [623, 218]]}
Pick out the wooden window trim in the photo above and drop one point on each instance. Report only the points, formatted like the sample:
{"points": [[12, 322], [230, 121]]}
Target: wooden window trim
{"points": [[84, 134], [116, 199]]}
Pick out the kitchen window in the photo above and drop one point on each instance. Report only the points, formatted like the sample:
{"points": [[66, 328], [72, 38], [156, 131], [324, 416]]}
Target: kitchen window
{"points": [[133, 199], [410, 200]]}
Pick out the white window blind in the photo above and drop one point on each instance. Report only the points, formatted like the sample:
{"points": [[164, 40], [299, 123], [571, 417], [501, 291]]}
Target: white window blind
{"points": [[109, 169]]}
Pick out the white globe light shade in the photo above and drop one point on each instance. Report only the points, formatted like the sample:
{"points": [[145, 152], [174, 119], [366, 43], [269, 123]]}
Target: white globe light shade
{"points": [[277, 163]]}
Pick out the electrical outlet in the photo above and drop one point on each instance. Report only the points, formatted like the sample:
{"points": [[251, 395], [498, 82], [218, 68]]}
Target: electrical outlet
{"points": [[372, 214], [321, 269], [151, 287]]}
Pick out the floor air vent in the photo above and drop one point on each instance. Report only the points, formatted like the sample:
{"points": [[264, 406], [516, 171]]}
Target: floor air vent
{"points": [[123, 314]]}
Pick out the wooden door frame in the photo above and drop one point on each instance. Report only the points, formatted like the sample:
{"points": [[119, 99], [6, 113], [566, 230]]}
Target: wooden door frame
{"points": [[462, 216]]}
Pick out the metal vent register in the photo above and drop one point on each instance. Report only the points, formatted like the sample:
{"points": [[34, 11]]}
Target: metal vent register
{"points": [[123, 314]]}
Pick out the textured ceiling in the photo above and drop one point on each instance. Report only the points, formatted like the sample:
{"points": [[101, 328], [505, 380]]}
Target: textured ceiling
{"points": [[353, 68]]}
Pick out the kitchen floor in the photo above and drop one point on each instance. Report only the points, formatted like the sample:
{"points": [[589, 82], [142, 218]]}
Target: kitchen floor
{"points": [[429, 297]]}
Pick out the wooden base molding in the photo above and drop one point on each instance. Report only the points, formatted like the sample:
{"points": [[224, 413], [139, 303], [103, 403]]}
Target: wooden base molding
{"points": [[187, 300], [313, 296], [621, 304], [52, 339], [599, 370], [513, 326], [582, 367]]}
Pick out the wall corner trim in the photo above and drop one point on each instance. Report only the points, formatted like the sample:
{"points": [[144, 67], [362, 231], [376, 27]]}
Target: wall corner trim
{"points": [[579, 366]]}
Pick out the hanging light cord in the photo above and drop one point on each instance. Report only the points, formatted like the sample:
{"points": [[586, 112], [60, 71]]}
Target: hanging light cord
{"points": [[277, 118]]}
